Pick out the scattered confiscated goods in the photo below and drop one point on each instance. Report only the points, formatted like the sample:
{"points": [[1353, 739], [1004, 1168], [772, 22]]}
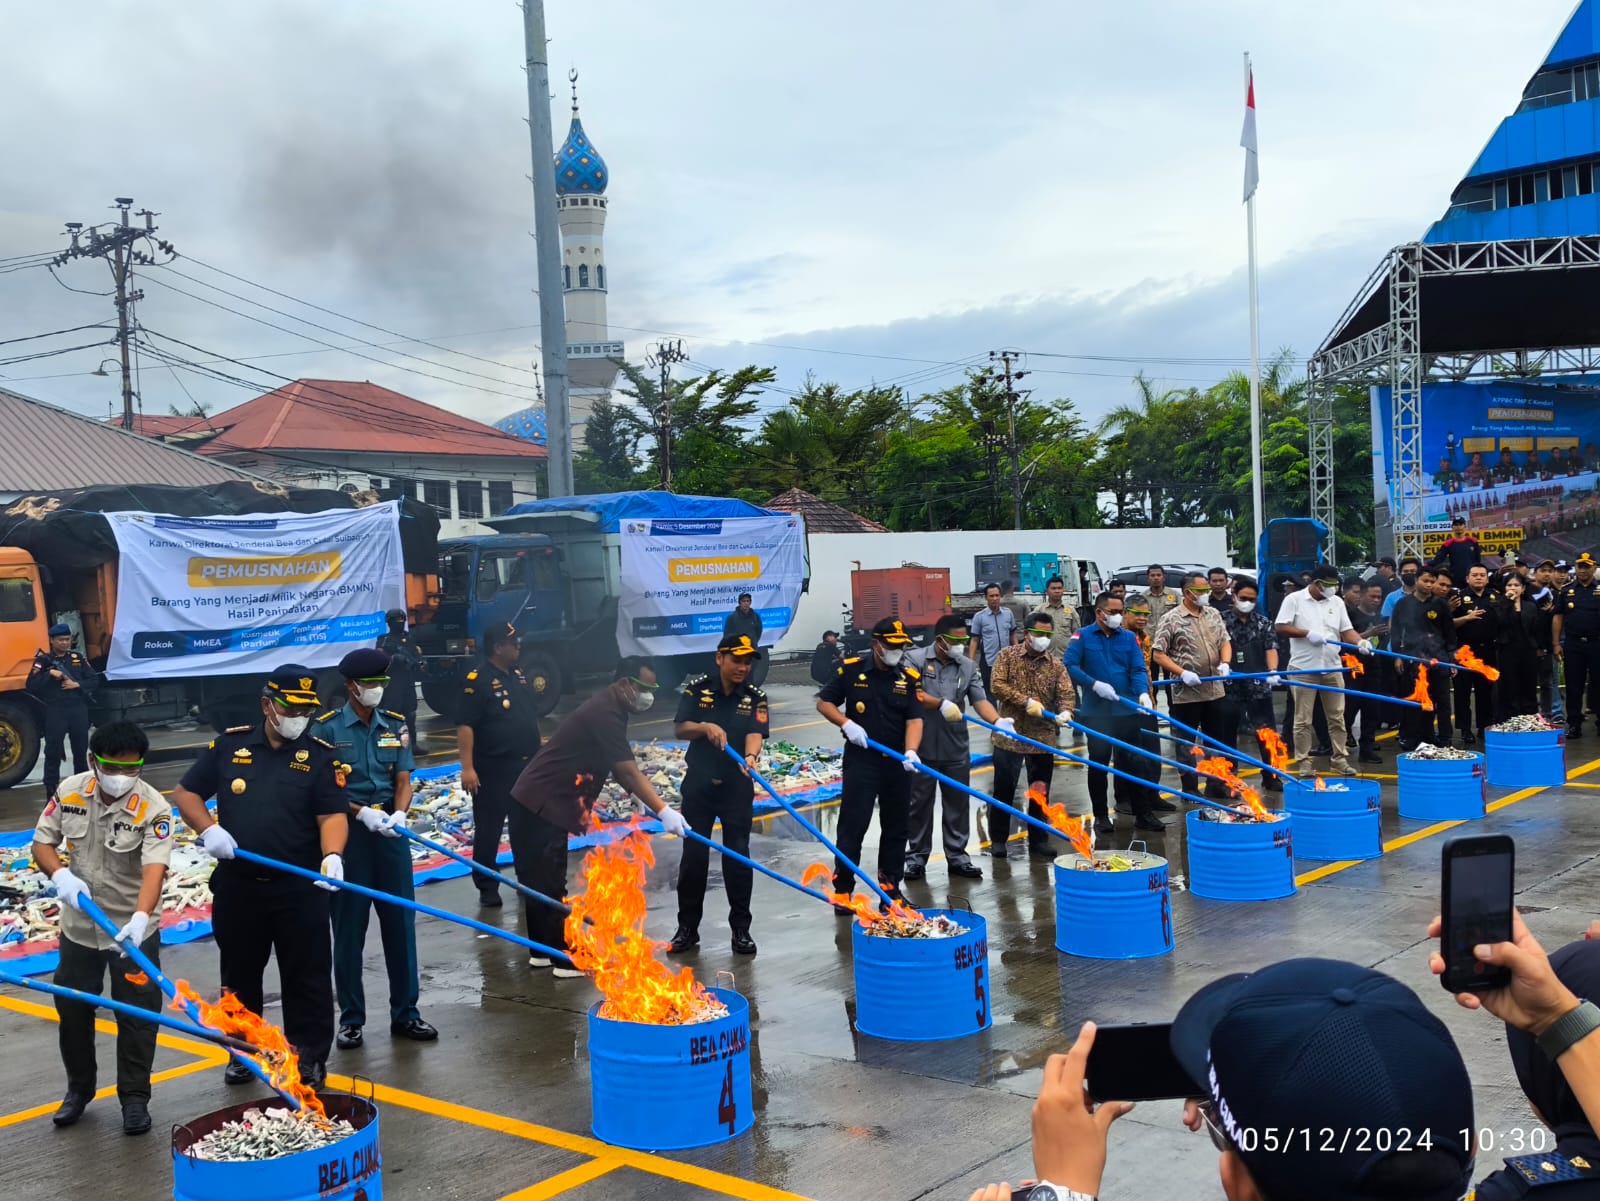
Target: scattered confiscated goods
{"points": [[268, 1134], [1240, 814], [1427, 750], [1111, 863], [1532, 723], [892, 925]]}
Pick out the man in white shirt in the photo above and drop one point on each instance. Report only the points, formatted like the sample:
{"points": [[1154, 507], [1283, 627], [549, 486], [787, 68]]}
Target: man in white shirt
{"points": [[1310, 619]]}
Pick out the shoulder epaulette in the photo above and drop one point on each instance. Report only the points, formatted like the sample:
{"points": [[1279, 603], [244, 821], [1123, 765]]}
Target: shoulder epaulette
{"points": [[328, 714], [472, 675], [758, 693], [323, 742], [697, 681], [238, 729], [912, 672], [392, 713], [853, 659], [1551, 1167]]}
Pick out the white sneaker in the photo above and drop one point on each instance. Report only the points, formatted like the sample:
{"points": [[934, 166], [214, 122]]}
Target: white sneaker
{"points": [[538, 961], [566, 973]]}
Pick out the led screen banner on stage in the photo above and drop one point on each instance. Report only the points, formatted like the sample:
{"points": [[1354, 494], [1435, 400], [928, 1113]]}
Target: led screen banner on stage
{"points": [[237, 595], [1518, 459], [680, 580]]}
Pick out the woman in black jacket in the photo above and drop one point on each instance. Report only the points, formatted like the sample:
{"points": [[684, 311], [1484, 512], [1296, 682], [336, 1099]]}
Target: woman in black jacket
{"points": [[1523, 639]]}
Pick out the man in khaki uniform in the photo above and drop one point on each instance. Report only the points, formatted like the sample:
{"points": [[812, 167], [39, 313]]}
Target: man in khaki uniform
{"points": [[117, 831]]}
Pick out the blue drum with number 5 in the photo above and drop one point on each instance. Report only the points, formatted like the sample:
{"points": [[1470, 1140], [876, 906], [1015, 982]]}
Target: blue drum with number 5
{"points": [[669, 1088], [918, 990]]}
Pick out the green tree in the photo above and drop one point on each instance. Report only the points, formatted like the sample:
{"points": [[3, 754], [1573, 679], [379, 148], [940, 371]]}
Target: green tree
{"points": [[609, 459], [708, 436]]}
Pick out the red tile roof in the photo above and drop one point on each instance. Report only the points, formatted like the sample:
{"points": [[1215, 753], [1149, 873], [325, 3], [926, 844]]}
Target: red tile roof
{"points": [[823, 516], [356, 416]]}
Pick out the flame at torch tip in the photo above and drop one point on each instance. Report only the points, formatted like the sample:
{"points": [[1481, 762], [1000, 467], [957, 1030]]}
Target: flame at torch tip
{"points": [[1465, 658], [1276, 748], [1218, 768], [1420, 692], [1353, 664], [1076, 829], [862, 907], [278, 1058]]}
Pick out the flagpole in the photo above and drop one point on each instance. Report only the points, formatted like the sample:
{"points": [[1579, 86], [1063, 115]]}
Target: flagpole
{"points": [[1255, 359]]}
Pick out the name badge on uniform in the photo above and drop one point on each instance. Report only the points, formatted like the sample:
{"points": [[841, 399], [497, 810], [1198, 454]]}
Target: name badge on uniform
{"points": [[388, 741]]}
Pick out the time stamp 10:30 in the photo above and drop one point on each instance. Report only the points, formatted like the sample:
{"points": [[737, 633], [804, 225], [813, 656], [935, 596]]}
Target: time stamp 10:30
{"points": [[1532, 1140]]}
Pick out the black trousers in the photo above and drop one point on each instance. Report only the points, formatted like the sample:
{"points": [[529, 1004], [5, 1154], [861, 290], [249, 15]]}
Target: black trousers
{"points": [[1209, 718], [871, 779], [539, 851], [1124, 728], [1474, 695], [1582, 659], [1419, 725], [705, 802], [490, 808], [1244, 715], [256, 914], [67, 720], [1008, 768], [1518, 684], [84, 969]]}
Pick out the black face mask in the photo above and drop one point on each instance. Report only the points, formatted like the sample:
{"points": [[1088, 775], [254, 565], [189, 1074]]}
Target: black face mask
{"points": [[1408, 579]]}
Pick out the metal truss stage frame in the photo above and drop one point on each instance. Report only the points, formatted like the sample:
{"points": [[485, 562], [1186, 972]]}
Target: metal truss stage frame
{"points": [[1450, 311]]}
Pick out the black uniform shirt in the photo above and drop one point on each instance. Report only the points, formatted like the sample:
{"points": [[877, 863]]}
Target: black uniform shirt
{"points": [[269, 800], [1424, 628], [405, 669], [741, 713], [879, 700], [1480, 634], [503, 712], [1579, 609], [53, 691]]}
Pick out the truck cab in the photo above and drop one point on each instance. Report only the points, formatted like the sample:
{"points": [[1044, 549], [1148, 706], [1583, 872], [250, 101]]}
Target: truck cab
{"points": [[23, 626]]}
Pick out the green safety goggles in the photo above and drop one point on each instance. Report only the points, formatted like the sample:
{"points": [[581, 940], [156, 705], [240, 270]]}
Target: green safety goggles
{"points": [[638, 683], [378, 681], [116, 765]]}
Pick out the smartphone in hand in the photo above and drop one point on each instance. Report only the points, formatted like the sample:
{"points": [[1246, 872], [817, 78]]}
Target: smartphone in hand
{"points": [[1478, 879], [1136, 1063]]}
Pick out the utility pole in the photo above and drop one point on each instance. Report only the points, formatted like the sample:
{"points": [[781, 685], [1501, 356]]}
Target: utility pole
{"points": [[1007, 359], [547, 237], [664, 355], [116, 244]]}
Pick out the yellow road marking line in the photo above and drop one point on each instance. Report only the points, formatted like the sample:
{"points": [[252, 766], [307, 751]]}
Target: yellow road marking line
{"points": [[110, 1090], [717, 1182], [800, 725], [213, 1053], [562, 1182]]}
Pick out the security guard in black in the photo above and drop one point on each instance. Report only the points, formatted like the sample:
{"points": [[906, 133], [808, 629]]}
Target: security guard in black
{"points": [[62, 680], [1575, 632], [721, 709]]}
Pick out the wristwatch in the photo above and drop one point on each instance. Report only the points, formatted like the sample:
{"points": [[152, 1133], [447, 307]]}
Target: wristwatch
{"points": [[1569, 1028], [1045, 1191]]}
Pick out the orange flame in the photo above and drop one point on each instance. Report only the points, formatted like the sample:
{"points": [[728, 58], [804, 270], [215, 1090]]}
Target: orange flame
{"points": [[1320, 786], [1465, 658], [863, 907], [1353, 664], [1076, 829], [606, 938], [1420, 692], [137, 979], [1218, 768], [1276, 748], [280, 1062]]}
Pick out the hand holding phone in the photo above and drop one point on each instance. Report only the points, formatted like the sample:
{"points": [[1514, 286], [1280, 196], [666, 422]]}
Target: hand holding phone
{"points": [[1478, 876], [1136, 1063]]}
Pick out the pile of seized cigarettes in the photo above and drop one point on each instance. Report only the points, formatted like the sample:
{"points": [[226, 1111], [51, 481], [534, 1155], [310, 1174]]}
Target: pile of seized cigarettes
{"points": [[891, 926], [1532, 723], [268, 1134], [1427, 750], [1240, 814]]}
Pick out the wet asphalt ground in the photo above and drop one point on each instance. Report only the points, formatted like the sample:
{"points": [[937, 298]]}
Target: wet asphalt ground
{"points": [[499, 1107]]}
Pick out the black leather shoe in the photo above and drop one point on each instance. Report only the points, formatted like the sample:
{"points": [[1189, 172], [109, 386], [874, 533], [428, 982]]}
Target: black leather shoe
{"points": [[1271, 784], [488, 899], [998, 852], [1161, 805], [1106, 826], [1151, 823], [970, 870], [349, 1038], [314, 1075], [237, 1073], [916, 873], [1574, 731], [686, 938], [417, 1030], [71, 1108], [743, 944], [1370, 757], [844, 911], [1321, 749], [135, 1117]]}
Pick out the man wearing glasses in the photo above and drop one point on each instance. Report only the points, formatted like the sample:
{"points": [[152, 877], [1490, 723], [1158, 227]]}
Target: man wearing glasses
{"points": [[557, 790], [1028, 681], [374, 750], [1192, 644], [118, 832]]}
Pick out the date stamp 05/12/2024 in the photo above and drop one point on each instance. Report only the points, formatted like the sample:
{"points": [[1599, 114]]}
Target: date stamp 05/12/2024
{"points": [[1486, 1140]]}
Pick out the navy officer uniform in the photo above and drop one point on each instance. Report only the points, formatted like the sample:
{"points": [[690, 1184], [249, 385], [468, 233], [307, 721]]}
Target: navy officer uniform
{"points": [[1577, 641], [64, 683], [374, 752], [280, 795], [718, 709]]}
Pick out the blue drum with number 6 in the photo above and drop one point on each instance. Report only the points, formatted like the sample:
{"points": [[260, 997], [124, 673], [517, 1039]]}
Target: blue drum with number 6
{"points": [[918, 990], [669, 1088]]}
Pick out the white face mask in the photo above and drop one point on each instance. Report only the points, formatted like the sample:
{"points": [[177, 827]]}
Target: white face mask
{"points": [[290, 728], [1039, 643], [892, 657], [369, 697], [116, 785], [1245, 606], [642, 700], [1114, 620], [956, 650]]}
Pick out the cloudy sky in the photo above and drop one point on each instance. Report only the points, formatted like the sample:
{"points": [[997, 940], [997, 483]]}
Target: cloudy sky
{"points": [[864, 191]]}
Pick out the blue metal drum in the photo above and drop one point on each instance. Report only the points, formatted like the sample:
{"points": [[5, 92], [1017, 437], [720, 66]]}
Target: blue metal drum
{"points": [[1443, 789], [351, 1169], [1240, 861], [669, 1088], [1113, 915], [1537, 759], [919, 990], [1340, 821]]}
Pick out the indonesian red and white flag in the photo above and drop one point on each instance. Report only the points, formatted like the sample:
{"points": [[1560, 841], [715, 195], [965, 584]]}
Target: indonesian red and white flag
{"points": [[1247, 139]]}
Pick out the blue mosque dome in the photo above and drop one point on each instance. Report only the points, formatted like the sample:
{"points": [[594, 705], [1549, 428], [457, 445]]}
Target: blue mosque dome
{"points": [[525, 423], [579, 167]]}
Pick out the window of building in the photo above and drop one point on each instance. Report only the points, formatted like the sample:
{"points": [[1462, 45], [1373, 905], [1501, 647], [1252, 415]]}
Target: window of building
{"points": [[583, 275], [1541, 187], [566, 276], [600, 275], [469, 499], [437, 494], [16, 600], [395, 488], [501, 497], [1585, 174]]}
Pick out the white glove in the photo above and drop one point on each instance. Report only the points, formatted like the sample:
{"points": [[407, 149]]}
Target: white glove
{"points": [[1188, 677], [1063, 720], [1007, 725], [912, 761], [69, 887], [373, 819], [138, 926], [854, 733], [1104, 691], [1316, 637], [333, 868], [1144, 699], [950, 711], [1365, 647], [397, 823], [1224, 670], [672, 821], [1033, 708], [1274, 680], [218, 843]]}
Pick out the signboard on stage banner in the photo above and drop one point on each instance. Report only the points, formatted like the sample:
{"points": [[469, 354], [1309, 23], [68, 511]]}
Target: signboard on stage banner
{"points": [[680, 579], [1490, 542], [237, 595]]}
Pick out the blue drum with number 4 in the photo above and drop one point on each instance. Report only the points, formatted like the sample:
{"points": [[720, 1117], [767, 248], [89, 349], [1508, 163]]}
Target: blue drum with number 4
{"points": [[919, 990], [669, 1088]]}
